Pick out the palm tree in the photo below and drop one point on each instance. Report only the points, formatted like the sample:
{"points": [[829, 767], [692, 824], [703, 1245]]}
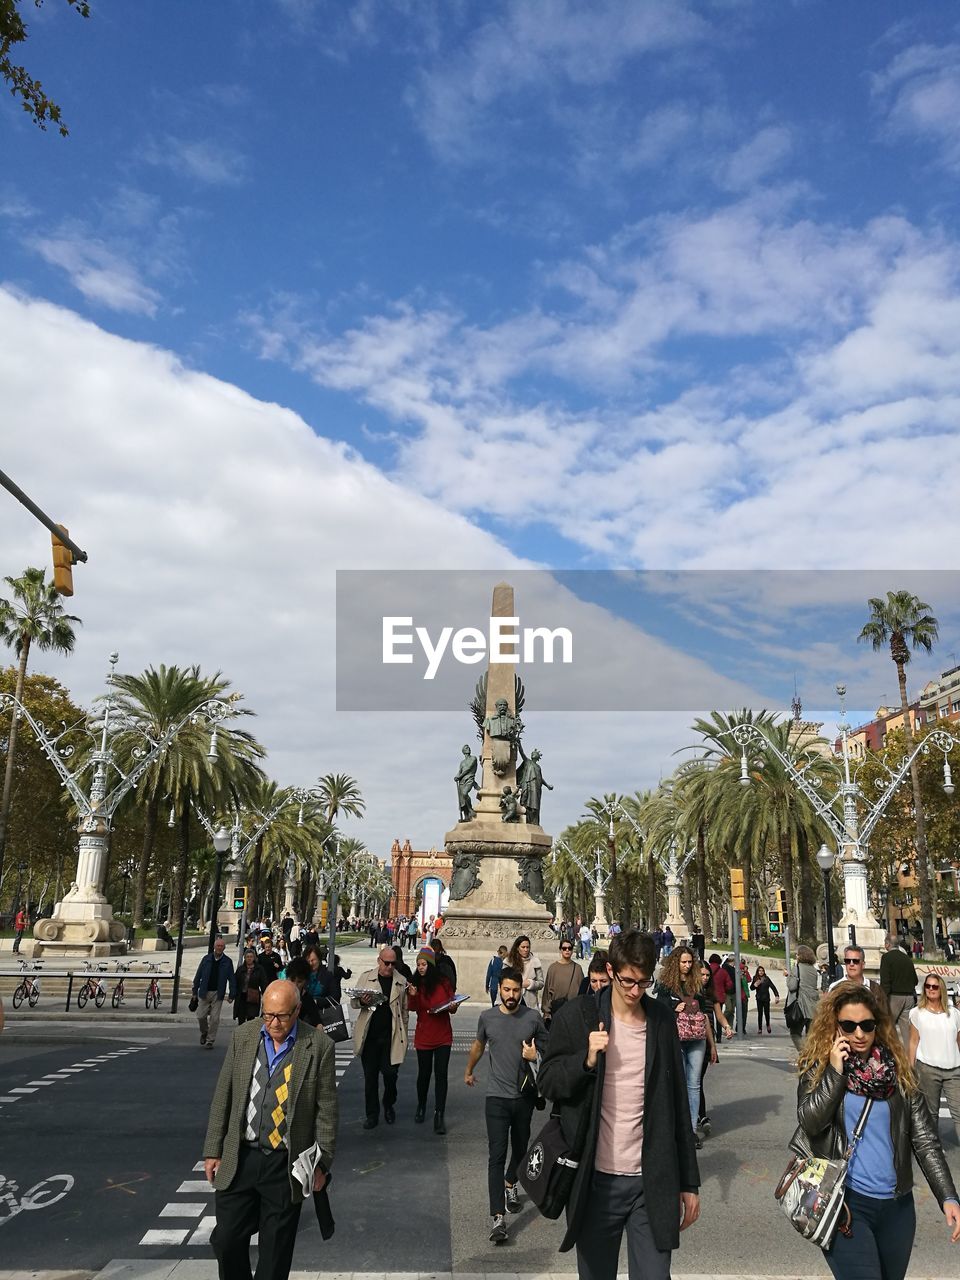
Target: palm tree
{"points": [[34, 617], [153, 703], [339, 793], [904, 621]]}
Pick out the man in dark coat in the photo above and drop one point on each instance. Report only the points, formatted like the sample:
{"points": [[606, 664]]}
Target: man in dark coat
{"points": [[613, 1067]]}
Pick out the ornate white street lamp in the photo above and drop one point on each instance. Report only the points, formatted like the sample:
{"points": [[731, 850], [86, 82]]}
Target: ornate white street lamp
{"points": [[599, 878], [83, 923], [673, 866], [852, 834]]}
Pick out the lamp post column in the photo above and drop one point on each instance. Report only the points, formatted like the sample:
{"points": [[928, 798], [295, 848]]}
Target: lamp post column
{"points": [[221, 843]]}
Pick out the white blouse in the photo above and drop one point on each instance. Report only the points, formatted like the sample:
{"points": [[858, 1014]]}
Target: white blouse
{"points": [[938, 1037]]}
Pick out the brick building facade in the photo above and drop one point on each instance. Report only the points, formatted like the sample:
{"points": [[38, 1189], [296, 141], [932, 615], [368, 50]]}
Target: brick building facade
{"points": [[410, 867]]}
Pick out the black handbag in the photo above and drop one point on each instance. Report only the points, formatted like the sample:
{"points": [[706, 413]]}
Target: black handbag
{"points": [[548, 1169], [333, 1022], [793, 1015], [194, 1004]]}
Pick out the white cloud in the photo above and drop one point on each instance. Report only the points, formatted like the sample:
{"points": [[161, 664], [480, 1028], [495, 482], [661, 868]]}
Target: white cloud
{"points": [[532, 46], [97, 271], [850, 377], [920, 94], [215, 164]]}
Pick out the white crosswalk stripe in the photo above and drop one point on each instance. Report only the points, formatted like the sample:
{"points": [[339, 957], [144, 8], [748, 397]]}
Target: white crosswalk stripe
{"points": [[65, 1073], [199, 1236]]}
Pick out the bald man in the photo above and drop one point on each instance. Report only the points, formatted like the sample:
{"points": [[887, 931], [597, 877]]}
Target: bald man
{"points": [[275, 1099]]}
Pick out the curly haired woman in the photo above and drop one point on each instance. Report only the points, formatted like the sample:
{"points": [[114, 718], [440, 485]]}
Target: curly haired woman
{"points": [[852, 1056], [679, 986]]}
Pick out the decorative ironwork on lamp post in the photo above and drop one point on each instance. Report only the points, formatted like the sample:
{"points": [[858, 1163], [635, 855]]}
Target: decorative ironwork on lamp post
{"points": [[673, 866], [598, 877], [83, 920]]}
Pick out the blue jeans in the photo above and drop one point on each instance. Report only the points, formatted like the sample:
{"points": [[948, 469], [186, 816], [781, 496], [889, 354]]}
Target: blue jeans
{"points": [[881, 1240], [693, 1052]]}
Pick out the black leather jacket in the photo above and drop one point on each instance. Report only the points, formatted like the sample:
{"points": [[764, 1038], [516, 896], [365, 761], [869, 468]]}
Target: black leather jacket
{"points": [[821, 1132]]}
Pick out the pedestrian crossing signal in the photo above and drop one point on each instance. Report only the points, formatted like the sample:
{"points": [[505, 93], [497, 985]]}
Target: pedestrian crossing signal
{"points": [[240, 898], [774, 925]]}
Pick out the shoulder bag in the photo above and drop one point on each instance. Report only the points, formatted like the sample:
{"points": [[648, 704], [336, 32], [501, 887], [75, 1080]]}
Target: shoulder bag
{"points": [[691, 1020], [811, 1189]]}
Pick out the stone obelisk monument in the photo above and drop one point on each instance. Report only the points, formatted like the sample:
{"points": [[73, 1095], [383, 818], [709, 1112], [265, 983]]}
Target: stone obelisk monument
{"points": [[496, 891]]}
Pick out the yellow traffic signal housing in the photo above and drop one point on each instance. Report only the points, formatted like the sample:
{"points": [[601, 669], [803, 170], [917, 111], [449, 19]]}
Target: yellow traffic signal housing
{"points": [[738, 897], [240, 897], [782, 906], [62, 565]]}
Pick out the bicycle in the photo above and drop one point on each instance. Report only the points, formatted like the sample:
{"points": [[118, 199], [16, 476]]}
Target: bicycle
{"points": [[28, 988], [93, 987], [116, 999], [153, 990]]}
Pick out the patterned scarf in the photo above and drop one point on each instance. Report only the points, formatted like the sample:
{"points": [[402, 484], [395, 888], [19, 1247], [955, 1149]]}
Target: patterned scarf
{"points": [[874, 1076]]}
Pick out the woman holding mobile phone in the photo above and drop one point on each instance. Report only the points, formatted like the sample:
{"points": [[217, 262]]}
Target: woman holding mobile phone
{"points": [[853, 1058]]}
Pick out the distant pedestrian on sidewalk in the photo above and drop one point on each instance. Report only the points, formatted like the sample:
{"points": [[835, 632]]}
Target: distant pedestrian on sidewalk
{"points": [[380, 1034], [213, 981], [514, 1033], [898, 978], [491, 983], [19, 928], [275, 1102], [762, 986]]}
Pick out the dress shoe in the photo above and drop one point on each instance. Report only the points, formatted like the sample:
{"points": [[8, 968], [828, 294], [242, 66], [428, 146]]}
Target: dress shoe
{"points": [[438, 1125], [389, 1115], [420, 1116], [371, 1122]]}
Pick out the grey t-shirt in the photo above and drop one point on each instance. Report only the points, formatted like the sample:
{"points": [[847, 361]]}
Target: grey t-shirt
{"points": [[504, 1034]]}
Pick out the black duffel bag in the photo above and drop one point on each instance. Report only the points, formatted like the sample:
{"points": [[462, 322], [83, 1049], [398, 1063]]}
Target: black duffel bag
{"points": [[548, 1169]]}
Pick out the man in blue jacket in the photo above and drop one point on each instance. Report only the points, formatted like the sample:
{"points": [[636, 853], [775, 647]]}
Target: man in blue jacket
{"points": [[214, 980]]}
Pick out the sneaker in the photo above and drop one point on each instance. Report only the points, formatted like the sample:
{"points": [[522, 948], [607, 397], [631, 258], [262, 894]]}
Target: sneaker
{"points": [[698, 1140], [704, 1126], [512, 1196], [499, 1233]]}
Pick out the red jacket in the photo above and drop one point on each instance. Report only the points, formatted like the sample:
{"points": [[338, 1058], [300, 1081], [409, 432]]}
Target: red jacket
{"points": [[20, 923], [433, 1029], [722, 985]]}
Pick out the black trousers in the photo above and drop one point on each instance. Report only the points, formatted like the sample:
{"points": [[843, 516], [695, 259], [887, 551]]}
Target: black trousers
{"points": [[258, 1199], [763, 1014], [436, 1061], [618, 1204], [375, 1059], [508, 1124]]}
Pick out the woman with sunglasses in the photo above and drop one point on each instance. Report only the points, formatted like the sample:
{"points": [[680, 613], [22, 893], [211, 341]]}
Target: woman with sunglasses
{"points": [[562, 982], [935, 1047], [680, 988], [852, 1058]]}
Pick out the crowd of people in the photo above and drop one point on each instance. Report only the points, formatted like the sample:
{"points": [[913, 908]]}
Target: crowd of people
{"points": [[620, 1048]]}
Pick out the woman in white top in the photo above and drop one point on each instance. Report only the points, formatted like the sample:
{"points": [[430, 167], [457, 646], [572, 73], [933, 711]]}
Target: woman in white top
{"points": [[935, 1047], [522, 958]]}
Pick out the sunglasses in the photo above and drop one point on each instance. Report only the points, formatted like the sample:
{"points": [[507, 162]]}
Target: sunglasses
{"points": [[388, 963], [848, 1026], [931, 986], [852, 960], [566, 948]]}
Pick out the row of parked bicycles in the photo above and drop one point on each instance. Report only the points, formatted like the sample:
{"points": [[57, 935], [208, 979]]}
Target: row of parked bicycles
{"points": [[93, 986]]}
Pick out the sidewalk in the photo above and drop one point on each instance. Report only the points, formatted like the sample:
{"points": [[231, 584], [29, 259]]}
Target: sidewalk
{"points": [[122, 1269]]}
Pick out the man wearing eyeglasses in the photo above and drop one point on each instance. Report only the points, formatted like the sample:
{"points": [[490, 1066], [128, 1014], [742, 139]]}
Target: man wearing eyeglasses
{"points": [[853, 971], [380, 1035], [275, 1102], [613, 1069]]}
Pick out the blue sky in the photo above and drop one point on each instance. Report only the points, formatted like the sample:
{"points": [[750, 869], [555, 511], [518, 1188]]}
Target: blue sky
{"points": [[612, 285]]}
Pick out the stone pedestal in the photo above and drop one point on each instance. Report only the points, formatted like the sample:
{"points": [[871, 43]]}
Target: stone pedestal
{"points": [[83, 924], [600, 925], [674, 914], [857, 912]]}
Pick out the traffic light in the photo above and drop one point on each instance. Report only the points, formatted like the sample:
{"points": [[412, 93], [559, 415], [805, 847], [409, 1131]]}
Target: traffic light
{"points": [[782, 906], [774, 925], [738, 897], [240, 898], [62, 565]]}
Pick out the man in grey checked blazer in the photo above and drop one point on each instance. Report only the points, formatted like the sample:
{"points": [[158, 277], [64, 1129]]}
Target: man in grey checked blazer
{"points": [[275, 1099]]}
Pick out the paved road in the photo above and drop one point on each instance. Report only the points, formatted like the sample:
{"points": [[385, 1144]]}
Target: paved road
{"points": [[103, 1150]]}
